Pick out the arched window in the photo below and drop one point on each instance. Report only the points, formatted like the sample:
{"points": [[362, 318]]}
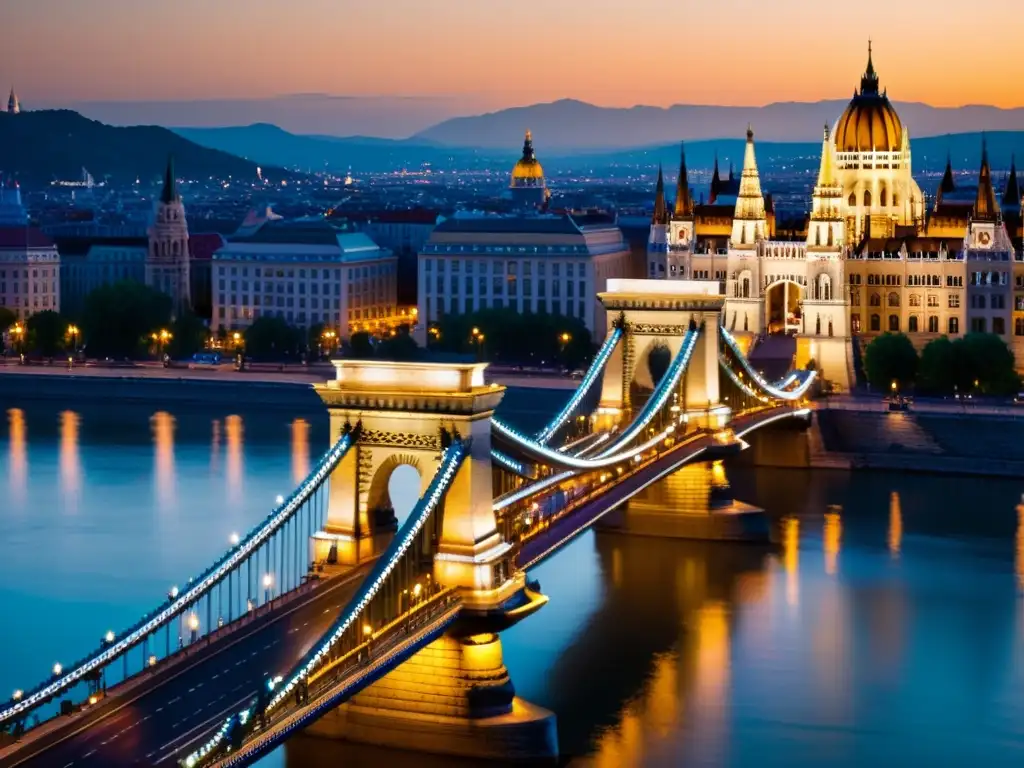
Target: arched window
{"points": [[915, 300], [883, 197], [895, 200], [875, 300], [853, 200], [894, 299], [830, 326], [746, 323], [913, 324], [933, 324], [824, 288], [817, 326], [894, 323], [876, 323], [867, 198]]}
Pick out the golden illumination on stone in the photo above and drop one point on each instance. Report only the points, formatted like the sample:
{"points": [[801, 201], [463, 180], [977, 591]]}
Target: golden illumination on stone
{"points": [[869, 124], [528, 167], [300, 450], [70, 463], [17, 477], [832, 538], [895, 525], [234, 435], [791, 558], [163, 445]]}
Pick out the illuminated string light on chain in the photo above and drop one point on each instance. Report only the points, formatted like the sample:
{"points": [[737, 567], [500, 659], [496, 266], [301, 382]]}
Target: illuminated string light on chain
{"points": [[771, 389], [661, 394], [180, 600], [592, 375], [509, 463], [450, 464]]}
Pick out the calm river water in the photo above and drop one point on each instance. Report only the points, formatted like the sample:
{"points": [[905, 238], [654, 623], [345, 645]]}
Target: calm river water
{"points": [[886, 631]]}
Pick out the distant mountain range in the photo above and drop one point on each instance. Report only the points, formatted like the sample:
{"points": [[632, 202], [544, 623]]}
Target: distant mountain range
{"points": [[269, 144], [43, 146], [574, 126]]}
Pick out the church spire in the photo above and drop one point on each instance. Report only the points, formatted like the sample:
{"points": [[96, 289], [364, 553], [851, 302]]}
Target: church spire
{"points": [[1011, 195], [985, 208], [869, 80], [827, 169], [948, 183], [716, 182], [13, 105], [660, 207], [749, 222], [684, 200], [169, 194]]}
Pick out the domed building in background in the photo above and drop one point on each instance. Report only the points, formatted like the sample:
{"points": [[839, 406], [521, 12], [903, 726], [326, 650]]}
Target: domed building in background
{"points": [[528, 188], [872, 156]]}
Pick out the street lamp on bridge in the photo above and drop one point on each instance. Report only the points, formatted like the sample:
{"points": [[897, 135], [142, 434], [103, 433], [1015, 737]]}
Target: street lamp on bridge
{"points": [[193, 625], [268, 584]]}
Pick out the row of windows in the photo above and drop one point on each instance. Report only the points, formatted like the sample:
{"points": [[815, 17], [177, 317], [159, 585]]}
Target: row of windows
{"points": [[990, 278], [38, 302], [893, 299], [997, 301], [351, 273], [506, 286], [437, 307], [44, 272], [36, 288], [499, 267], [914, 324]]}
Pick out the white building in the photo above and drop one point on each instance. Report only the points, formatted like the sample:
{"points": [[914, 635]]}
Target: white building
{"points": [[167, 262], [29, 262], [306, 273], [555, 264]]}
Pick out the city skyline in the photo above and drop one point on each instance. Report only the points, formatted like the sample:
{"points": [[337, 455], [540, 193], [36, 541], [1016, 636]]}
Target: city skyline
{"points": [[479, 59]]}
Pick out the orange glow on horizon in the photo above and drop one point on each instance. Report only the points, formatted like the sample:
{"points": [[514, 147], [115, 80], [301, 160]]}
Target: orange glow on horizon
{"points": [[487, 54]]}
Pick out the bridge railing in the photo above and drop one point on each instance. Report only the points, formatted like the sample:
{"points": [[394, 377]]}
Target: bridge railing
{"points": [[259, 541], [781, 390], [383, 595]]}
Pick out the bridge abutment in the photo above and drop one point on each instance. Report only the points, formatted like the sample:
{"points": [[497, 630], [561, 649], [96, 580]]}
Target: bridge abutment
{"points": [[454, 697]]}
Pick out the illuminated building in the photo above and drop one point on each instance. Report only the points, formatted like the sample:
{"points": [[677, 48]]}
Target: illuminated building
{"points": [[167, 260], [29, 261], [527, 186], [870, 257], [307, 273], [544, 263]]}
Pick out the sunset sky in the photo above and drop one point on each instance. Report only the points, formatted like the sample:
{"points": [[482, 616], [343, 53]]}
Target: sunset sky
{"points": [[493, 53]]}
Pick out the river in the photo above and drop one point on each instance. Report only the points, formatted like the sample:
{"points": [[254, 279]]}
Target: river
{"points": [[885, 628]]}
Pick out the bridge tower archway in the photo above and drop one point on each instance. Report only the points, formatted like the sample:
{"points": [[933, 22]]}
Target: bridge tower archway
{"points": [[653, 313], [406, 413]]}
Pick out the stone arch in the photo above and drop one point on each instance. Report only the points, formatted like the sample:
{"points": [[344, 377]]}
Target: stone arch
{"points": [[852, 201], [823, 287], [744, 283], [883, 197], [378, 493], [643, 349]]}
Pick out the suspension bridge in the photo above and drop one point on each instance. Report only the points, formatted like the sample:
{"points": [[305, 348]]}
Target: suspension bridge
{"points": [[329, 617]]}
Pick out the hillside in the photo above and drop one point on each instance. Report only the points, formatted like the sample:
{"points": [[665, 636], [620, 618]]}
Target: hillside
{"points": [[264, 143], [39, 147], [572, 126]]}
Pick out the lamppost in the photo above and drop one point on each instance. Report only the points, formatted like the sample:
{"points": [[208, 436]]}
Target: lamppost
{"points": [[268, 583], [563, 342], [161, 338], [193, 625], [19, 339], [478, 339], [329, 339], [72, 334]]}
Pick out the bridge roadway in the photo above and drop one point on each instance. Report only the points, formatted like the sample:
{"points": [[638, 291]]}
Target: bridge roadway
{"points": [[162, 723]]}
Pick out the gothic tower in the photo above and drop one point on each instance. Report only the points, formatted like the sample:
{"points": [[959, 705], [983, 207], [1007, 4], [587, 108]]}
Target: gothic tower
{"points": [[824, 333], [682, 232], [750, 222], [167, 262], [13, 105], [657, 240]]}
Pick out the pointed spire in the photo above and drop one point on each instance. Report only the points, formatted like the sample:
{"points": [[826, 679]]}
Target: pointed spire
{"points": [[529, 155], [684, 200], [169, 194], [716, 182], [1011, 195], [750, 200], [827, 169], [660, 207], [869, 80], [13, 105], [985, 204]]}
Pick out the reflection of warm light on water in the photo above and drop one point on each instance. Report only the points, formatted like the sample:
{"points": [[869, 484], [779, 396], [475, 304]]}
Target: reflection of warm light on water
{"points": [[895, 524], [18, 471], [663, 694], [832, 536], [711, 691], [791, 558], [215, 447], [1020, 545], [300, 450], [70, 464], [163, 442], [233, 432]]}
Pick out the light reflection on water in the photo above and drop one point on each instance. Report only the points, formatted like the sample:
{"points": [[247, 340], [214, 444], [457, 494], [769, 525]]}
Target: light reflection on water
{"points": [[886, 628]]}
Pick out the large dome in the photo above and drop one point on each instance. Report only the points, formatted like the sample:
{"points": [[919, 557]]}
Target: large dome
{"points": [[528, 171], [869, 123]]}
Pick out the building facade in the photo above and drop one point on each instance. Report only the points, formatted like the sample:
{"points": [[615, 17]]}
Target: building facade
{"points": [[548, 263], [869, 258], [306, 273], [29, 261], [167, 262]]}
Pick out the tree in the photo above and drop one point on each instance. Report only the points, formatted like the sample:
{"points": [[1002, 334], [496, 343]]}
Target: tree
{"points": [[188, 335], [7, 319], [937, 372], [47, 332], [400, 346], [360, 345], [985, 364], [890, 358], [118, 319], [271, 338]]}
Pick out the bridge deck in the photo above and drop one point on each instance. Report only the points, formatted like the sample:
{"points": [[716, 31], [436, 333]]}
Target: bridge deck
{"points": [[158, 724]]}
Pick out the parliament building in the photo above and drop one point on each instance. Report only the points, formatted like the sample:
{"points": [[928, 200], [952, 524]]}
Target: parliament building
{"points": [[871, 257]]}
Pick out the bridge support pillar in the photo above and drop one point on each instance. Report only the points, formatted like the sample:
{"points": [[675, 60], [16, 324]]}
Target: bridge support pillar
{"points": [[694, 502], [454, 698]]}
